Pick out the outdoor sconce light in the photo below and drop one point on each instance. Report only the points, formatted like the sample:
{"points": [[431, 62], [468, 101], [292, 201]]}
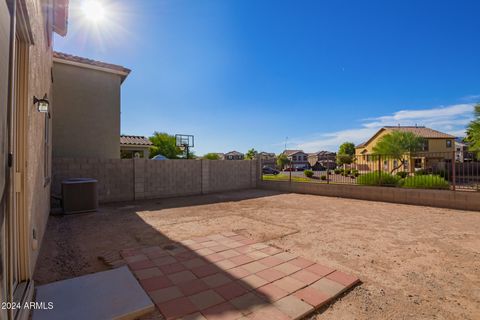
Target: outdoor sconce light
{"points": [[42, 104]]}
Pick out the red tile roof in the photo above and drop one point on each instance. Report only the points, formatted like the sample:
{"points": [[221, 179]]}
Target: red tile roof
{"points": [[135, 140], [423, 132], [95, 63]]}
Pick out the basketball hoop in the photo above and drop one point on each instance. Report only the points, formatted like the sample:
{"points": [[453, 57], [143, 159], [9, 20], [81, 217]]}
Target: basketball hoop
{"points": [[184, 142]]}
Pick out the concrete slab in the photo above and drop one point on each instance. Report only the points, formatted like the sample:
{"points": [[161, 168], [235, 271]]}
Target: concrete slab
{"points": [[112, 294]]}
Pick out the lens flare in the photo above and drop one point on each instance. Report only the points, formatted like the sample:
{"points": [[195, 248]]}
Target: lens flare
{"points": [[93, 11]]}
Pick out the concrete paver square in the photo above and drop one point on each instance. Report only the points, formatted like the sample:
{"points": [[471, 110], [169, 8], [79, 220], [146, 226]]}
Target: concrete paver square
{"points": [[217, 280], [294, 307], [206, 299]]}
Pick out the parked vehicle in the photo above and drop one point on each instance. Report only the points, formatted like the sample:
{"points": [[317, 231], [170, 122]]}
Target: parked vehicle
{"points": [[268, 170], [289, 169], [159, 157]]}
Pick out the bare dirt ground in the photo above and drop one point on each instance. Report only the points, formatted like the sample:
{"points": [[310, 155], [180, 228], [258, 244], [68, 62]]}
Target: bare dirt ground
{"points": [[414, 262]]}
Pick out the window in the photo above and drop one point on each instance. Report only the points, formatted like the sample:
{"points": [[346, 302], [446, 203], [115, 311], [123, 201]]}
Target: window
{"points": [[425, 145], [449, 143], [304, 158], [294, 158], [418, 163]]}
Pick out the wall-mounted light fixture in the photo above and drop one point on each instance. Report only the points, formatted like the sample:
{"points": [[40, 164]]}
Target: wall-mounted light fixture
{"points": [[42, 104]]}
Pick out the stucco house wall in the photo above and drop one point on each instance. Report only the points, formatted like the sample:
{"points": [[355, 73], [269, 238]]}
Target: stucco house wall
{"points": [[87, 112]]}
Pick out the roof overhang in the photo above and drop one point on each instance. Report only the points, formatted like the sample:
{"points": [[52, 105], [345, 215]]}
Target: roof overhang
{"points": [[123, 74]]}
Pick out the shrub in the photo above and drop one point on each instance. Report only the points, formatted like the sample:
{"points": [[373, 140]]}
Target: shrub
{"points": [[402, 174], [378, 178], [337, 171], [421, 172], [323, 177], [308, 173], [426, 182], [347, 171]]}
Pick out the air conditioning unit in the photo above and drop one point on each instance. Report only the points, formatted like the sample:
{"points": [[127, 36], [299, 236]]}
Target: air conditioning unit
{"points": [[79, 195]]}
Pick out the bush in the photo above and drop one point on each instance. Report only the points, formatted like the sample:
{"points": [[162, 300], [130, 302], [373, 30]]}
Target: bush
{"points": [[323, 177], [308, 173], [347, 171], [378, 178], [426, 182], [402, 174], [337, 171]]}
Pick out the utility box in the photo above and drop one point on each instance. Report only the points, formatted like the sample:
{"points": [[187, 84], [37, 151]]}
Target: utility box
{"points": [[79, 195]]}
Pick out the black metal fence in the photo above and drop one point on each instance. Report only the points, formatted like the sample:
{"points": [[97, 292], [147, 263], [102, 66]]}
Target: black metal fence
{"points": [[423, 170]]}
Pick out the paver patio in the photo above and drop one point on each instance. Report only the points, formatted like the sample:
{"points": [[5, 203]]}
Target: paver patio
{"points": [[228, 276]]}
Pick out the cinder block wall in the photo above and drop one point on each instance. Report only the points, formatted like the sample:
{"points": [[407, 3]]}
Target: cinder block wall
{"points": [[434, 198], [135, 179], [115, 176]]}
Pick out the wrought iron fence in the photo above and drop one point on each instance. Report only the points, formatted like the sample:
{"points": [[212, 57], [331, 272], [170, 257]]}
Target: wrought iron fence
{"points": [[423, 170]]}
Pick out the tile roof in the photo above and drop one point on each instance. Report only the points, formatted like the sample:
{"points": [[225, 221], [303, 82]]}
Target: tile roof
{"points": [[290, 152], [135, 140], [94, 63], [234, 153], [421, 131]]}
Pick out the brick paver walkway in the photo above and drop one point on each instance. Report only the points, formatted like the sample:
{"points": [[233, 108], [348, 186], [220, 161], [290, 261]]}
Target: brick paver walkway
{"points": [[228, 276]]}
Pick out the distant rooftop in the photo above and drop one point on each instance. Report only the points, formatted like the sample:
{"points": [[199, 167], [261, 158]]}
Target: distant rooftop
{"points": [[135, 140], [420, 131]]}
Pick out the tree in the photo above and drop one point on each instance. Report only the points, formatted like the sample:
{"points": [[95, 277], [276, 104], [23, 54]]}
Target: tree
{"points": [[282, 161], [346, 153], [211, 156], [164, 144], [251, 154], [473, 132], [396, 144]]}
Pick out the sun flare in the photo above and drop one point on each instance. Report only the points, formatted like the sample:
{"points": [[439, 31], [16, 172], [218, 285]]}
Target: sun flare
{"points": [[93, 11]]}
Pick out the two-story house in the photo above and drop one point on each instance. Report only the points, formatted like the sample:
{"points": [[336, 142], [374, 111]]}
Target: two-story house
{"points": [[298, 158], [268, 159], [437, 152], [234, 155], [322, 160]]}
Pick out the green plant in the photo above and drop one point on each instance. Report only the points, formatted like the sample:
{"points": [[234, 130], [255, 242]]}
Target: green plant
{"points": [[308, 173], [337, 171], [426, 182], [323, 177], [402, 174], [378, 178], [396, 144], [421, 172]]}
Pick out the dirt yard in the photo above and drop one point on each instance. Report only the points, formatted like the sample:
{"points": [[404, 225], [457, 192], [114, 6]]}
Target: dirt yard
{"points": [[415, 262]]}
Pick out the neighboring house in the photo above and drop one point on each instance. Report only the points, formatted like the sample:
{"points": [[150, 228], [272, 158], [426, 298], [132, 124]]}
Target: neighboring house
{"points": [[268, 159], [322, 160], [234, 155], [437, 152], [298, 158], [25, 142], [134, 147], [221, 156], [87, 107]]}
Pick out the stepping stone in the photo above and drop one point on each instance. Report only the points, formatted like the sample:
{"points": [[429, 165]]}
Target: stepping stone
{"points": [[112, 294]]}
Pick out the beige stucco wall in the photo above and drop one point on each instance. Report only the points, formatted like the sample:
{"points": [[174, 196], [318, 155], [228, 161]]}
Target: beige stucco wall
{"points": [[86, 122], [37, 189]]}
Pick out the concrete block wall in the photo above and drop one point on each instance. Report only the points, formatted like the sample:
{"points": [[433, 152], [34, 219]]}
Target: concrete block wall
{"points": [[136, 179], [230, 175], [115, 176], [435, 198]]}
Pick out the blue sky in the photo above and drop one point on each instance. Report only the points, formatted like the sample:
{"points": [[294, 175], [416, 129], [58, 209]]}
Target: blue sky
{"points": [[249, 73]]}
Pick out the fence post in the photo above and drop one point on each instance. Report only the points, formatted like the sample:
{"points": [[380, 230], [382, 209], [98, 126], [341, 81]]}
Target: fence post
{"points": [[453, 171], [291, 168]]}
